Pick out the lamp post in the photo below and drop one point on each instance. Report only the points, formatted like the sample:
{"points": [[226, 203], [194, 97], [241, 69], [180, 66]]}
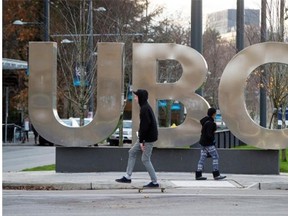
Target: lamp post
{"points": [[45, 23], [20, 22], [90, 62], [66, 41], [46, 19], [263, 119], [91, 57], [240, 25], [196, 30], [6, 111], [91, 53]]}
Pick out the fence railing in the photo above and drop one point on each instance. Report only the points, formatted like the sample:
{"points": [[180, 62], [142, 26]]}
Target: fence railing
{"points": [[14, 133], [225, 139]]}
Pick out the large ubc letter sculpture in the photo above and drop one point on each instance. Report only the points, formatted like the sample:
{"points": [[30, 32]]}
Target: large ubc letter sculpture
{"points": [[232, 99], [145, 57], [43, 89]]}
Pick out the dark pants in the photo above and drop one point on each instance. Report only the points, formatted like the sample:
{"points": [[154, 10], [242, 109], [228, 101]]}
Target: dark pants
{"points": [[214, 154], [25, 136]]}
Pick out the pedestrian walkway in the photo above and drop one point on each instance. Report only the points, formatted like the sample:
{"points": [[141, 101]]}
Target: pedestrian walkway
{"points": [[31, 142], [106, 180]]}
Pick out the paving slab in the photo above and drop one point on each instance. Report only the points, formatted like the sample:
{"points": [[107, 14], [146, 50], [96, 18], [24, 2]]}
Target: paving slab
{"points": [[205, 184], [106, 180]]}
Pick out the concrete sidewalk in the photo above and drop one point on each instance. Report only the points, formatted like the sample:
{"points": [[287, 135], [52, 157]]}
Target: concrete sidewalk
{"points": [[106, 180], [49, 180]]}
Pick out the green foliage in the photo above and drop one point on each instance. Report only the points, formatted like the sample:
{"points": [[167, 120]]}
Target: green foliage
{"points": [[283, 164], [50, 167], [284, 167], [246, 147]]}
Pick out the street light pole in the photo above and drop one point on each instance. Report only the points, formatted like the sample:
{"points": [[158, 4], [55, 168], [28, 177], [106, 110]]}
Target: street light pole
{"points": [[263, 120], [240, 25], [46, 19], [6, 111], [91, 58], [196, 25], [91, 54], [196, 30]]}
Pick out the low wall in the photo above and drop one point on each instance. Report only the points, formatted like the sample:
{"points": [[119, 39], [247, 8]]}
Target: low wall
{"points": [[109, 159]]}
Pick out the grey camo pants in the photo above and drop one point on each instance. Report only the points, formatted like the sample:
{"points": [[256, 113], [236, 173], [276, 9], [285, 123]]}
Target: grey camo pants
{"points": [[146, 155], [214, 154]]}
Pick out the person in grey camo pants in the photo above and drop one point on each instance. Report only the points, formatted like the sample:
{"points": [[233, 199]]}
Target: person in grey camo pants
{"points": [[147, 135], [145, 158]]}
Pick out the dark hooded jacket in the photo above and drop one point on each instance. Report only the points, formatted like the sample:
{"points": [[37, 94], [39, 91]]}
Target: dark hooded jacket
{"points": [[148, 131], [208, 130]]}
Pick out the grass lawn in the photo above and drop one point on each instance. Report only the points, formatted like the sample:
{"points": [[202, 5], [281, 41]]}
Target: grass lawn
{"points": [[50, 167], [284, 165]]}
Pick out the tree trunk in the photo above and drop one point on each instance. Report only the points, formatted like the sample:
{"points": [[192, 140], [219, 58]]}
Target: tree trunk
{"points": [[275, 120], [121, 131], [168, 112], [283, 151], [283, 155], [273, 117]]}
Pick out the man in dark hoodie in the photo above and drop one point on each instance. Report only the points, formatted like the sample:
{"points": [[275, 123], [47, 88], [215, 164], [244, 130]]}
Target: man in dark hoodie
{"points": [[147, 135], [207, 142]]}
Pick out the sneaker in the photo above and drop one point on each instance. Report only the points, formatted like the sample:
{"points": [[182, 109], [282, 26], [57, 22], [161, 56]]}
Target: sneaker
{"points": [[198, 176], [152, 185], [123, 180], [219, 177], [201, 178]]}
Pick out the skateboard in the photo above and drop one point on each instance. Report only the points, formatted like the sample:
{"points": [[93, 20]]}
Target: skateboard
{"points": [[141, 189]]}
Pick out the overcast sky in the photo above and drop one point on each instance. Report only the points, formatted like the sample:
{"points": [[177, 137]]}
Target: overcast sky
{"points": [[180, 10], [183, 7]]}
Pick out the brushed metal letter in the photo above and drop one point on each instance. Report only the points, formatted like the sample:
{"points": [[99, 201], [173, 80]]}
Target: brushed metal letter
{"points": [[194, 67], [43, 89], [232, 99]]}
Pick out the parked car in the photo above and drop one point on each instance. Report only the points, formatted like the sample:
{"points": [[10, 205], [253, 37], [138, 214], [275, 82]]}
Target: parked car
{"points": [[86, 121], [127, 134], [280, 124], [43, 141], [72, 122], [219, 122]]}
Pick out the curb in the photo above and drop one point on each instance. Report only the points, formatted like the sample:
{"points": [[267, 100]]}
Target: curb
{"points": [[74, 186], [269, 186], [115, 186], [274, 186], [58, 186]]}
